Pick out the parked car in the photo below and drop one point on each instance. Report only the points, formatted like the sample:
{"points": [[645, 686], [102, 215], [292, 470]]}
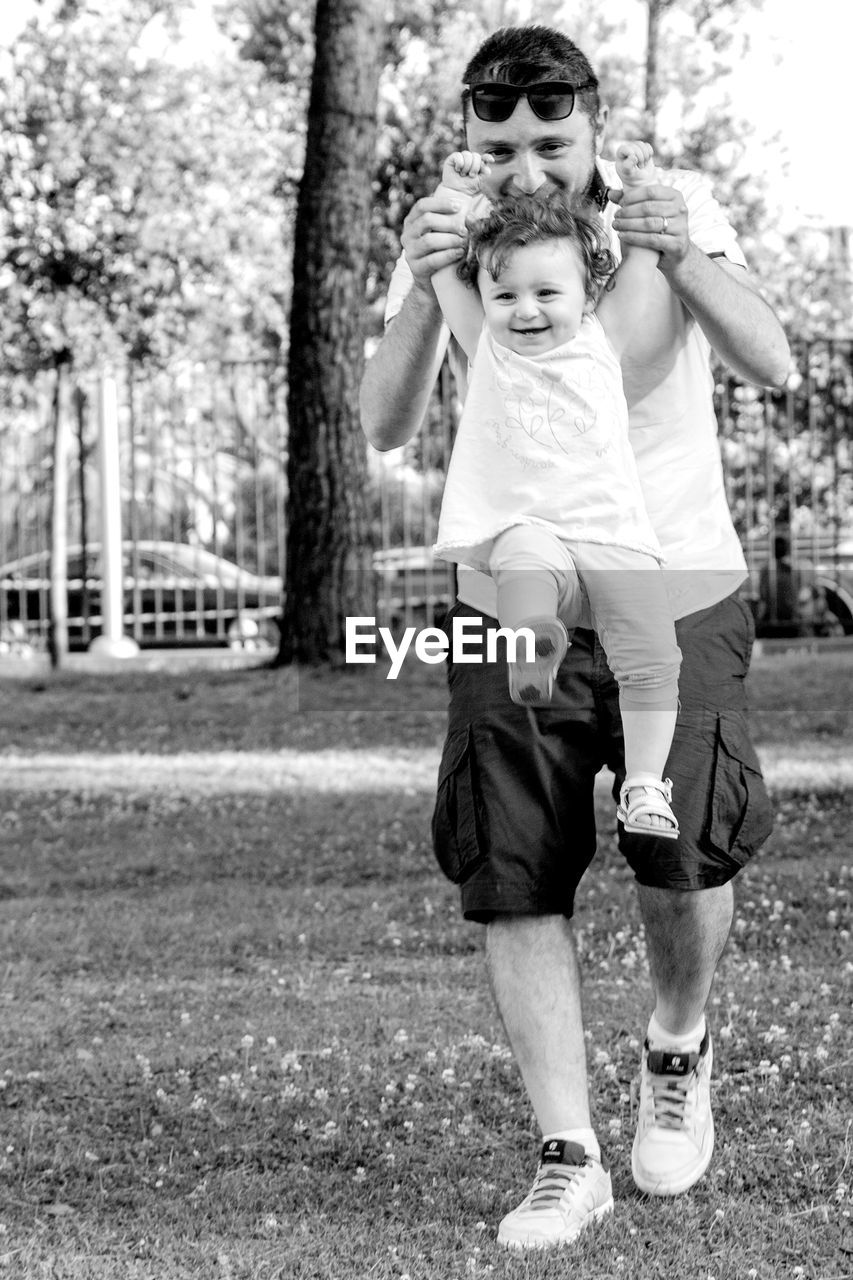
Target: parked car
{"points": [[174, 594]]}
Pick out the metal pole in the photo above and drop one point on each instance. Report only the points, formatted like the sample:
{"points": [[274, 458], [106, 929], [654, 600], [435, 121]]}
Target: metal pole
{"points": [[112, 641]]}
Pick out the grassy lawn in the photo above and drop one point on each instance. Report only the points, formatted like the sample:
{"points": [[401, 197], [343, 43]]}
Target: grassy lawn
{"points": [[247, 1035]]}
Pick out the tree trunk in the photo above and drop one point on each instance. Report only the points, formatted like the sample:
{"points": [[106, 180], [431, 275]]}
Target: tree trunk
{"points": [[57, 638], [327, 562], [652, 104]]}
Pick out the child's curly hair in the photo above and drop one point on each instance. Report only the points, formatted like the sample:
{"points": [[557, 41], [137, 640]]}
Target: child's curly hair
{"points": [[517, 221]]}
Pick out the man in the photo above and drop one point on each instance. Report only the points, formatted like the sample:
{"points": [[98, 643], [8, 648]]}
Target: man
{"points": [[514, 824]]}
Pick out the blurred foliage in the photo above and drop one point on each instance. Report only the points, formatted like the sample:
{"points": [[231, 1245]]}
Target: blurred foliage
{"points": [[141, 208], [148, 189]]}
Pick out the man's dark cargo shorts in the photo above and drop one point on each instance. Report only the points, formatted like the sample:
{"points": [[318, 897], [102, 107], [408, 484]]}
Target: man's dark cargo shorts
{"points": [[514, 822]]}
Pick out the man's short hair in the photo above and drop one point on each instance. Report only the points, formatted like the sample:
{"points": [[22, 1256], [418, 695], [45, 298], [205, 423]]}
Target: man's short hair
{"points": [[524, 55]]}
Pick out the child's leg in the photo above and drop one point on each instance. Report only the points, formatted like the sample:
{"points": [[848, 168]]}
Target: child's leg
{"points": [[537, 586], [633, 619], [535, 576]]}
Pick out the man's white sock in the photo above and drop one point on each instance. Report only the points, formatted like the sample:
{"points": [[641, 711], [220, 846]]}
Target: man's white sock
{"points": [[687, 1042]]}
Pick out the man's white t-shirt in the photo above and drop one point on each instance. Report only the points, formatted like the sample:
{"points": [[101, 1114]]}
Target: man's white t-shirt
{"points": [[673, 429]]}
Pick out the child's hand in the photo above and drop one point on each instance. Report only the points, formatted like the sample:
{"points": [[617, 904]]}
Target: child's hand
{"points": [[635, 164], [463, 170]]}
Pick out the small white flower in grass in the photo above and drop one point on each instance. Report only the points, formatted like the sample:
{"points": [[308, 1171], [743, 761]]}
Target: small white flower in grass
{"points": [[360, 1174], [247, 1042], [321, 1095], [615, 1126], [719, 1215], [448, 1075], [821, 1053], [185, 1017], [401, 1037], [90, 1155], [271, 1042]]}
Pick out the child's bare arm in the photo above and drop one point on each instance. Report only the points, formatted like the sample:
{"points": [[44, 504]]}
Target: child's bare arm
{"points": [[460, 304], [622, 306]]}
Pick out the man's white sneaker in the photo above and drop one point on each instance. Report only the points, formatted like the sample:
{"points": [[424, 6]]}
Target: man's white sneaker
{"points": [[675, 1130], [570, 1190]]}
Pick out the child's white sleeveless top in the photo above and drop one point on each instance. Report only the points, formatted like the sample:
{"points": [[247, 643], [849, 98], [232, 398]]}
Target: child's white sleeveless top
{"points": [[544, 440]]}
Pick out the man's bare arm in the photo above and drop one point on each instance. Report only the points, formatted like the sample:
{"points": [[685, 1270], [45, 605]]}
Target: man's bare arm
{"points": [[738, 323], [399, 377], [720, 296]]}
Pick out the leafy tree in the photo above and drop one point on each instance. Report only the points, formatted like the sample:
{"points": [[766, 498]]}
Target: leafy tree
{"points": [[141, 214]]}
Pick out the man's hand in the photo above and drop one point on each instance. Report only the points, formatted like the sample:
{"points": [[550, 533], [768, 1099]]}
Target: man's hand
{"points": [[434, 233], [434, 236], [653, 217]]}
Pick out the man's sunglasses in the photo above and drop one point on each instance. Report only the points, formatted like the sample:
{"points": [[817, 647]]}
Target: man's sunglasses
{"points": [[548, 99]]}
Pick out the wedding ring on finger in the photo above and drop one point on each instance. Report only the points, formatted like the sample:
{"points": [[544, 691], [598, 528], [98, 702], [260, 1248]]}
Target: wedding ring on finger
{"points": [[664, 224]]}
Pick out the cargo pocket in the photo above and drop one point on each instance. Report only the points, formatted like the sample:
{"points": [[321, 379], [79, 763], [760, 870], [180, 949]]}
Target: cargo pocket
{"points": [[455, 827], [741, 813]]}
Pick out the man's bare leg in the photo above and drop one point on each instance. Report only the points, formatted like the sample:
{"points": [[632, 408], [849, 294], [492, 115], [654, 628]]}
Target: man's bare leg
{"points": [[535, 978], [685, 937]]}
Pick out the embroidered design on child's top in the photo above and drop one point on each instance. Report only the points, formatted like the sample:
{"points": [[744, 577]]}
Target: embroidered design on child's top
{"points": [[539, 400]]}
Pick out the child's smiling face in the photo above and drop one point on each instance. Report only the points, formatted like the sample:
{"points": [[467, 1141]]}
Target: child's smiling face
{"points": [[539, 299]]}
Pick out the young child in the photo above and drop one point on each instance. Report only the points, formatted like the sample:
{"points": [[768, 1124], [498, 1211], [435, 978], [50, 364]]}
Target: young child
{"points": [[542, 489]]}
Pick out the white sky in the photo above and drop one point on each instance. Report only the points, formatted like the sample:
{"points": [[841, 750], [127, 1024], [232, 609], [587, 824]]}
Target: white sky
{"points": [[793, 81]]}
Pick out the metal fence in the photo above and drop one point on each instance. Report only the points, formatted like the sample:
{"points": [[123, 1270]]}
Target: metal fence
{"points": [[203, 473], [202, 481]]}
